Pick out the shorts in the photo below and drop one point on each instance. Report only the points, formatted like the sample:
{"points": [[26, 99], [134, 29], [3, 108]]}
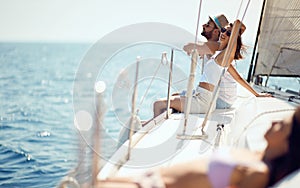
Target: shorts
{"points": [[221, 104], [201, 101]]}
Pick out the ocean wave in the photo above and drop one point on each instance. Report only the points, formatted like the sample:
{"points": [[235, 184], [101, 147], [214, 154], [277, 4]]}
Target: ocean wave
{"points": [[13, 156]]}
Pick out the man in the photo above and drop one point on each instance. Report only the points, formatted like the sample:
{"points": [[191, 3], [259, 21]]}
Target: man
{"points": [[211, 31]]}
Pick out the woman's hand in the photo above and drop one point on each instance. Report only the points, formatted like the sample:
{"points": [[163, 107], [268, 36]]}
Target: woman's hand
{"points": [[264, 95]]}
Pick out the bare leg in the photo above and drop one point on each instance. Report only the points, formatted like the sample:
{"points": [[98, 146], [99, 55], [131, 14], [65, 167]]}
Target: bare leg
{"points": [[159, 107], [176, 103]]}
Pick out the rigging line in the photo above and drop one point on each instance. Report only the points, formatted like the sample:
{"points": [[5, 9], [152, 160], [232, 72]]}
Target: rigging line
{"points": [[239, 10], [228, 49], [258, 116], [244, 11], [182, 80], [152, 79], [198, 20], [271, 70], [289, 68], [247, 6]]}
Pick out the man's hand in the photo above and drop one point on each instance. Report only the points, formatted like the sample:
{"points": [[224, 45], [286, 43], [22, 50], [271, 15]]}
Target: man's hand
{"points": [[188, 48]]}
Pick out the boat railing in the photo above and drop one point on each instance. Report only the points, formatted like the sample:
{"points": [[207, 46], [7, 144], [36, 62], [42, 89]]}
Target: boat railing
{"points": [[134, 113]]}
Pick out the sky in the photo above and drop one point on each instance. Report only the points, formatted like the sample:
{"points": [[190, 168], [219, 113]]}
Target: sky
{"points": [[90, 20]]}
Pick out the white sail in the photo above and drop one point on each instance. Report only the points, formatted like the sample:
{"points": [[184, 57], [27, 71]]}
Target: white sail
{"points": [[279, 41]]}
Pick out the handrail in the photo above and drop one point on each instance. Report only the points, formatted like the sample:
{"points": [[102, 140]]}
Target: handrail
{"points": [[133, 141]]}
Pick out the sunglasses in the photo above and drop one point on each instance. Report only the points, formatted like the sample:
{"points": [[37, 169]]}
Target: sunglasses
{"points": [[228, 32], [209, 25]]}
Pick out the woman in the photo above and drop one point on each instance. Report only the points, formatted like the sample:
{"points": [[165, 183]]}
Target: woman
{"points": [[229, 167]]}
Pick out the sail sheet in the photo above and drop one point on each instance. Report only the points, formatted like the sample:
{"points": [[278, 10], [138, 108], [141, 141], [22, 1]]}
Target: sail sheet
{"points": [[279, 40]]}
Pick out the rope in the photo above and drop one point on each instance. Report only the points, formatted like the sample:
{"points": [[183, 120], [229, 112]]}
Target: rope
{"points": [[258, 116], [198, 20], [163, 57]]}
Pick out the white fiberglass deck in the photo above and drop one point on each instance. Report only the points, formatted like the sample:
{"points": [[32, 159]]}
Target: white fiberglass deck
{"points": [[157, 144]]}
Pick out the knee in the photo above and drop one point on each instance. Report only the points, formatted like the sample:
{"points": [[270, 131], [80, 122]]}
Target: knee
{"points": [[158, 104], [159, 107]]}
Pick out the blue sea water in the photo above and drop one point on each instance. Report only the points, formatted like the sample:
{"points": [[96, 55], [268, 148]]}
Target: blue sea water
{"points": [[38, 141], [38, 144]]}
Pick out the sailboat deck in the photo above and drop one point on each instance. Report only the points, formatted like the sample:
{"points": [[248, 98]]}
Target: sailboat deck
{"points": [[156, 144]]}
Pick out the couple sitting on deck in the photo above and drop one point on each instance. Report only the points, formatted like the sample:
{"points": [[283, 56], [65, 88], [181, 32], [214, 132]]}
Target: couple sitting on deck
{"points": [[217, 31]]}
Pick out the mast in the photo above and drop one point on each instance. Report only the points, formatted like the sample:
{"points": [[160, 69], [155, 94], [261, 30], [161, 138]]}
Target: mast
{"points": [[250, 74]]}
